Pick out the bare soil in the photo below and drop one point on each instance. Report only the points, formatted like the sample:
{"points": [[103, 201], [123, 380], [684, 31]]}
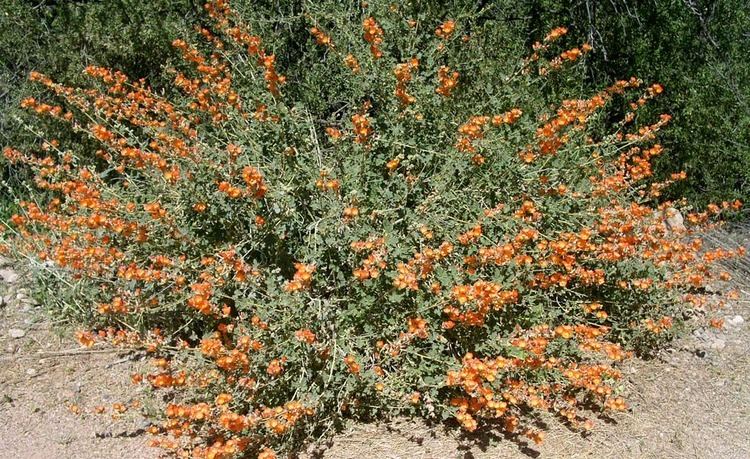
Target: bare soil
{"points": [[45, 376], [691, 401]]}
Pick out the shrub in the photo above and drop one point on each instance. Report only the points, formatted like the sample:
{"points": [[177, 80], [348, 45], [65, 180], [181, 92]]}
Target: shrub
{"points": [[415, 232]]}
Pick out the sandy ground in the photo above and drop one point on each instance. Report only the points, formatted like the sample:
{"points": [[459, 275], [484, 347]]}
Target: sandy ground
{"points": [[692, 401], [44, 375]]}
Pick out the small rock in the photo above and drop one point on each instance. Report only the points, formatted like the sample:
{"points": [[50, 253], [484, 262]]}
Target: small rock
{"points": [[634, 445], [701, 334], [31, 372], [9, 276], [718, 344], [7, 299], [735, 321], [16, 333], [144, 424], [28, 301], [700, 353], [675, 222]]}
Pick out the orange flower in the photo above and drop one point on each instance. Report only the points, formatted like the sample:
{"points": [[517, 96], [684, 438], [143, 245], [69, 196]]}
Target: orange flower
{"points": [[85, 338], [333, 133], [321, 38], [233, 422], [445, 30], [447, 81], [403, 77], [555, 33], [362, 129], [302, 278], [305, 336], [223, 399], [373, 35], [351, 213], [352, 364], [352, 63], [275, 368], [256, 187], [418, 327]]}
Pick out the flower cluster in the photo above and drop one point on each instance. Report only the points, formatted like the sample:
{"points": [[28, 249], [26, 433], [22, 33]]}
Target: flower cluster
{"points": [[302, 277], [321, 37], [447, 81], [446, 29], [403, 77], [374, 36]]}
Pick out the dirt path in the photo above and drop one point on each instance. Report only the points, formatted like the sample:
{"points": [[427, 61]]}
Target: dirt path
{"points": [[43, 373], [693, 401]]}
